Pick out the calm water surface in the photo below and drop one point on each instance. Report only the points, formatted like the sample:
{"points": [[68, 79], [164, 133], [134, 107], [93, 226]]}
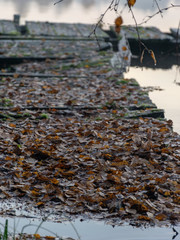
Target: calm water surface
{"points": [[168, 80], [91, 230]]}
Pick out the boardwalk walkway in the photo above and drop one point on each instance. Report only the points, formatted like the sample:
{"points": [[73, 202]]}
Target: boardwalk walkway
{"points": [[77, 139]]}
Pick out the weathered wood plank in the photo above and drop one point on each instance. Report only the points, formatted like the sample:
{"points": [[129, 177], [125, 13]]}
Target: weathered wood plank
{"points": [[154, 113], [38, 75], [8, 27], [76, 30], [146, 33]]}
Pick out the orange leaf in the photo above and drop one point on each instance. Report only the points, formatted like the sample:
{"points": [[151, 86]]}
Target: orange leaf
{"points": [[34, 193], [16, 75], [114, 111], [12, 125], [124, 48], [7, 158], [167, 194], [17, 175], [145, 218], [54, 181], [164, 129], [131, 3], [161, 217], [37, 236], [165, 150], [125, 58], [153, 56], [39, 204], [118, 21]]}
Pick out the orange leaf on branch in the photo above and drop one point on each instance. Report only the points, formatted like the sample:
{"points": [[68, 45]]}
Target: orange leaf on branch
{"points": [[131, 3], [118, 22], [153, 56]]}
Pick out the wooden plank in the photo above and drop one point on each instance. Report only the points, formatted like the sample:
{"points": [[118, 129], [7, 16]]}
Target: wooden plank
{"points": [[146, 33], [49, 108], [50, 38], [8, 27], [17, 60], [38, 75], [154, 113], [73, 30]]}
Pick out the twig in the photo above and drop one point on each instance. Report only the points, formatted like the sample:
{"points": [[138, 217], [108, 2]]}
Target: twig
{"points": [[159, 12], [177, 38], [113, 5], [139, 38], [79, 238], [158, 8], [58, 2], [177, 51]]}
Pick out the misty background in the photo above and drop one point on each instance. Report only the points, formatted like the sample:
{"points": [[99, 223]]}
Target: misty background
{"points": [[22, 6], [88, 11]]}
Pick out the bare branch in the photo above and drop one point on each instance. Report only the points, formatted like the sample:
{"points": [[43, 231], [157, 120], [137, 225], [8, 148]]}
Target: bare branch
{"points": [[137, 30], [160, 11], [112, 6], [58, 2], [141, 43], [158, 8]]}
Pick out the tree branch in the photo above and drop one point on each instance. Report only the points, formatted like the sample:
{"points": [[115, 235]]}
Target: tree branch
{"points": [[160, 11], [58, 2], [158, 8]]}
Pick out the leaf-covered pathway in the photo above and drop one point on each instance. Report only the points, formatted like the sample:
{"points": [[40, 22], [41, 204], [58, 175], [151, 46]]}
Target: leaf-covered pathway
{"points": [[79, 144]]}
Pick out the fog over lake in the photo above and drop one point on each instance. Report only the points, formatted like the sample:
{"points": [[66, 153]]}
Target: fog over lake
{"points": [[21, 5], [88, 11]]}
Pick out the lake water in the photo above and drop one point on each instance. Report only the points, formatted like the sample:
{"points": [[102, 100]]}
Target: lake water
{"points": [[168, 98], [91, 230]]}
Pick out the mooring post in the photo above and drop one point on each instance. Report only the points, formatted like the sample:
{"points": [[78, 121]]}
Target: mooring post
{"points": [[16, 20]]}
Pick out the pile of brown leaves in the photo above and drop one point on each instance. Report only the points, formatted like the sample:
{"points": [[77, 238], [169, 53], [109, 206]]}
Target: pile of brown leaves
{"points": [[116, 168], [87, 162]]}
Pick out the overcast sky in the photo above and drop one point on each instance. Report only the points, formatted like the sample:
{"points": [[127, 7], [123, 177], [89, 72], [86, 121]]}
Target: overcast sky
{"points": [[23, 5], [89, 11]]}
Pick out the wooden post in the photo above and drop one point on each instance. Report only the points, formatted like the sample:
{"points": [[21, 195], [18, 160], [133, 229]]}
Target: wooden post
{"points": [[16, 20]]}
